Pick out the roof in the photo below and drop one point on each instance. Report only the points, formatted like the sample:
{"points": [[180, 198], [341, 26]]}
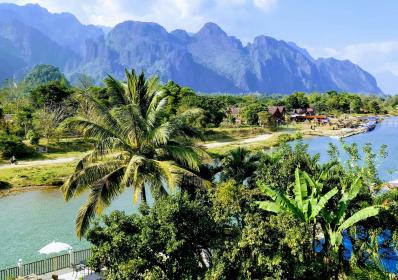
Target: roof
{"points": [[276, 109], [316, 117]]}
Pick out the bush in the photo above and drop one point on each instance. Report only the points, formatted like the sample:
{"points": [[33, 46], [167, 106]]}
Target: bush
{"points": [[4, 185], [11, 145], [33, 137]]}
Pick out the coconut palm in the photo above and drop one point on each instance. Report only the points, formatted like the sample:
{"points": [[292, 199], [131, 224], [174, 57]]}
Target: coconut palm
{"points": [[134, 147], [238, 164]]}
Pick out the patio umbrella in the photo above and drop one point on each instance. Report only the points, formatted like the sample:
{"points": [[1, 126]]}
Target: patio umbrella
{"points": [[54, 247]]}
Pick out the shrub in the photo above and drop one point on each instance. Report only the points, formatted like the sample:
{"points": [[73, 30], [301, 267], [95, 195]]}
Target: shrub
{"points": [[4, 185], [33, 137], [11, 145]]}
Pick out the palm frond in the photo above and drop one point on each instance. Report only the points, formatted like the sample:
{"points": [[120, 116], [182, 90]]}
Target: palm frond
{"points": [[100, 196], [82, 180]]}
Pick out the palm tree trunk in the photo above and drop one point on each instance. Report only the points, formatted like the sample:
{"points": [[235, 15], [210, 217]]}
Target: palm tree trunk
{"points": [[143, 196]]}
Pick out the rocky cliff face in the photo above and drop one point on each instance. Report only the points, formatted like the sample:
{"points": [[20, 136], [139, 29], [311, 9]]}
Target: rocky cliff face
{"points": [[208, 61]]}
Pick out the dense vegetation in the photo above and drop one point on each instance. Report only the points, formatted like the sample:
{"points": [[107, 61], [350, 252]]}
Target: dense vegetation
{"points": [[280, 222], [35, 107], [246, 215]]}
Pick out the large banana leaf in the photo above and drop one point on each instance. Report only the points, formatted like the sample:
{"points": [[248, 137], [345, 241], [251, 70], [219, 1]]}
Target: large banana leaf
{"points": [[300, 189], [361, 215], [322, 202]]}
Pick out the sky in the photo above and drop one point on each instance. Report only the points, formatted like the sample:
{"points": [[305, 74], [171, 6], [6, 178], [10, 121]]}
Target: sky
{"points": [[363, 31]]}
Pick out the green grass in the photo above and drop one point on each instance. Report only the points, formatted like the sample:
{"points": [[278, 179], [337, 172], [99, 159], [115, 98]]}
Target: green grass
{"points": [[233, 134], [45, 175], [48, 175], [65, 148], [275, 141]]}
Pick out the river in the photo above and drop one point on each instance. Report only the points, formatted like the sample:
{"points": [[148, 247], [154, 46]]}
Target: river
{"points": [[31, 220], [386, 133]]}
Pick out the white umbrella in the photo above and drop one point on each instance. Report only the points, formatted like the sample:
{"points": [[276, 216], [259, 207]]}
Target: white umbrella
{"points": [[54, 247]]}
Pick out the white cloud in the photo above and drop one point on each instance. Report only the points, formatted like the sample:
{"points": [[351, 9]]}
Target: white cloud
{"points": [[188, 14], [265, 5]]}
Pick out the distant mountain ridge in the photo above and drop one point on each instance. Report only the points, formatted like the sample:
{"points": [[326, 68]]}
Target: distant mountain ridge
{"points": [[208, 61]]}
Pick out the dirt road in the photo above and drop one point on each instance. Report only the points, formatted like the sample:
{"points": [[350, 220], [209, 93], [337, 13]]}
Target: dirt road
{"points": [[33, 163]]}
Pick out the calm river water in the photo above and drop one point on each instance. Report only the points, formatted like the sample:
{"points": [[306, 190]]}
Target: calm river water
{"points": [[31, 220], [386, 133]]}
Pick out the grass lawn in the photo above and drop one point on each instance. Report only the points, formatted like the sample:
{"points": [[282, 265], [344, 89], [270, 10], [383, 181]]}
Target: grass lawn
{"points": [[233, 134], [56, 174], [46, 175], [274, 141], [65, 148]]}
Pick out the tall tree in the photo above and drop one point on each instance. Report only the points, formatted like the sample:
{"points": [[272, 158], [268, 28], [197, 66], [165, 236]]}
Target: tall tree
{"points": [[134, 147], [238, 164]]}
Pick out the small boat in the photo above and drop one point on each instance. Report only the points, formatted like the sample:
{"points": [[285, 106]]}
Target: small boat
{"points": [[371, 125]]}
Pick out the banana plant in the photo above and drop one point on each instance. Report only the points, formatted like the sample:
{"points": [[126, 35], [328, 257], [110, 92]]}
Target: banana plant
{"points": [[307, 202], [336, 222]]}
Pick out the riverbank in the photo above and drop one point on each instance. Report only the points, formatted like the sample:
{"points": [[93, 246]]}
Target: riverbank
{"points": [[339, 133], [42, 174], [36, 175], [17, 191], [341, 127]]}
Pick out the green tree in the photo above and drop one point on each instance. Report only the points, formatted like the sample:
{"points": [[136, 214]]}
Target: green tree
{"points": [[176, 93], [43, 74], [265, 119], [49, 94], [374, 107], [172, 240], [250, 113], [11, 145], [356, 105], [214, 108], [48, 121], [238, 164], [23, 120], [134, 147], [297, 100]]}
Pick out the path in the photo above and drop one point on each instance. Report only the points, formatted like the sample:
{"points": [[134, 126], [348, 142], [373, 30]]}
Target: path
{"points": [[33, 163], [257, 138]]}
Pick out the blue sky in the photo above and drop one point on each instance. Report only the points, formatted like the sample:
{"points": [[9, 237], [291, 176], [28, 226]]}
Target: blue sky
{"points": [[364, 31]]}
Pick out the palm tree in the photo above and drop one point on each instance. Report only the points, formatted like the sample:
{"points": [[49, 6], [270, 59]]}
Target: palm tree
{"points": [[238, 164], [134, 147]]}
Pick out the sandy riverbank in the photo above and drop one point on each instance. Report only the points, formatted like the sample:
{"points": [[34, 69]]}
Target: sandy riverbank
{"points": [[16, 191], [334, 133]]}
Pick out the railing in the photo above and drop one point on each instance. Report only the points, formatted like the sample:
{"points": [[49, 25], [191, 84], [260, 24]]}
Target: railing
{"points": [[45, 266]]}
